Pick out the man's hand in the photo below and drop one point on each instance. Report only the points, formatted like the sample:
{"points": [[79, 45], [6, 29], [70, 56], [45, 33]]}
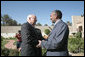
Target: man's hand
{"points": [[39, 45], [46, 37], [19, 49]]}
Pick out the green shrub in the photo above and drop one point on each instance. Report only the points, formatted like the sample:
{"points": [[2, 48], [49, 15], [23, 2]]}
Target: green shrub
{"points": [[47, 31], [2, 38], [44, 52], [78, 35], [13, 53], [4, 52], [15, 43], [12, 38], [76, 45], [9, 52], [3, 43]]}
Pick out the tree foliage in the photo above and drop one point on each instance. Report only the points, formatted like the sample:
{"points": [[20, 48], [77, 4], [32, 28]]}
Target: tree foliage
{"points": [[6, 20], [38, 24], [69, 23], [46, 25]]}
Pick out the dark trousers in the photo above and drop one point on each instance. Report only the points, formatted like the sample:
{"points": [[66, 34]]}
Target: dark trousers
{"points": [[18, 44]]}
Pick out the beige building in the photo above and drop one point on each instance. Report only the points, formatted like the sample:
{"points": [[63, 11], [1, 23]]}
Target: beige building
{"points": [[77, 24]]}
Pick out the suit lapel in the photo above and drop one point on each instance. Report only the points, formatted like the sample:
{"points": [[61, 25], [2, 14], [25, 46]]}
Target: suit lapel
{"points": [[55, 27]]}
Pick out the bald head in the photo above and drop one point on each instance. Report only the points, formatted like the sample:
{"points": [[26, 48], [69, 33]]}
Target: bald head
{"points": [[31, 19], [30, 16]]}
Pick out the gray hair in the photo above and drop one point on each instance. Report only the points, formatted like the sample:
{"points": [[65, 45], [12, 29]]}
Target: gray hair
{"points": [[29, 16]]}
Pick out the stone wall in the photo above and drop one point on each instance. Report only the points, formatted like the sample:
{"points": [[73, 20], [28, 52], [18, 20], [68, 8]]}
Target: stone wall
{"points": [[76, 22], [10, 31]]}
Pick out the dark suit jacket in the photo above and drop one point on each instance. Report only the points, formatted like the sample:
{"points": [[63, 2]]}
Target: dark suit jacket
{"points": [[29, 40], [57, 42], [39, 37]]}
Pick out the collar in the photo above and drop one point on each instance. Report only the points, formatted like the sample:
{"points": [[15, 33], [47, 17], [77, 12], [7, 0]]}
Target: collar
{"points": [[57, 21], [30, 24]]}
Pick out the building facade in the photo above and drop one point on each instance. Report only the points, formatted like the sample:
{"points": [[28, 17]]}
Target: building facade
{"points": [[77, 25]]}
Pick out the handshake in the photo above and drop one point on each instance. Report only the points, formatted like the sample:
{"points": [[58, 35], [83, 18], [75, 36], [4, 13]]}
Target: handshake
{"points": [[39, 45]]}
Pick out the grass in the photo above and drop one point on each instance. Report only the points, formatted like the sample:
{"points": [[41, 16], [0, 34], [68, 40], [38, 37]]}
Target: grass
{"points": [[10, 38], [44, 50], [3, 43], [11, 52], [15, 43]]}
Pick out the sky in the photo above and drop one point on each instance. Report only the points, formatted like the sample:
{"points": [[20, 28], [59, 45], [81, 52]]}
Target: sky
{"points": [[19, 10]]}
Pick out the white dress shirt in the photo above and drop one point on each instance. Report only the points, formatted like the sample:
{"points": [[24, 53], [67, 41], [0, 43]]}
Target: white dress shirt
{"points": [[57, 21]]}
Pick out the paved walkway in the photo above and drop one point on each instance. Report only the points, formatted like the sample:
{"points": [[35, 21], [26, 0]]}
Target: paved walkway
{"points": [[10, 45]]}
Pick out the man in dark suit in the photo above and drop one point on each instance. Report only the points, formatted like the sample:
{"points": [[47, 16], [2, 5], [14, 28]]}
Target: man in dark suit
{"points": [[29, 38], [39, 36], [57, 42]]}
